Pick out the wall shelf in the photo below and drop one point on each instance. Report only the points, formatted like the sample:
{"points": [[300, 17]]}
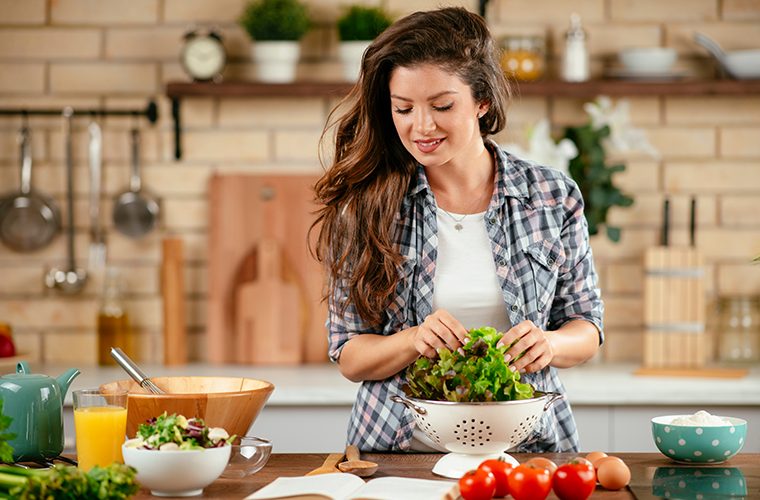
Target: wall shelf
{"points": [[549, 88]]}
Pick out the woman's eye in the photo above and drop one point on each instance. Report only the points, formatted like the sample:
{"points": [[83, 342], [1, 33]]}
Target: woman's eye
{"points": [[403, 111], [444, 108]]}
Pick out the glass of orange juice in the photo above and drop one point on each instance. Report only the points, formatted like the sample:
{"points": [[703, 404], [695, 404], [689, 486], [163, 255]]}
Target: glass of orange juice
{"points": [[100, 426]]}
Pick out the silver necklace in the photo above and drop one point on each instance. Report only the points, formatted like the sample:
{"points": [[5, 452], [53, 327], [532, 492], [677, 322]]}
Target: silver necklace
{"points": [[457, 222]]}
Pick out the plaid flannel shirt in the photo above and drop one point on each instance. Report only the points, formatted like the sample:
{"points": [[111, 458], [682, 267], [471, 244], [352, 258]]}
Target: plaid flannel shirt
{"points": [[544, 264]]}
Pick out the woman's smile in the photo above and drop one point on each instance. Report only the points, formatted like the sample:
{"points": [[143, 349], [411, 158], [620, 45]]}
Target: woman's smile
{"points": [[427, 146]]}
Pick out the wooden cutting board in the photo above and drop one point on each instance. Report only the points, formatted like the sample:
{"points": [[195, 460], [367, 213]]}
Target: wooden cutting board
{"points": [[264, 334], [245, 210]]}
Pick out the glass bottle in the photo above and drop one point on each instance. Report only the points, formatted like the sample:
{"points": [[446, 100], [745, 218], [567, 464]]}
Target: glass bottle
{"points": [[739, 329], [113, 320], [523, 57], [575, 59]]}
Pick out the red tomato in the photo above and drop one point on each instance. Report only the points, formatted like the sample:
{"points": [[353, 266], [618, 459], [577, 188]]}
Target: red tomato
{"points": [[574, 480], [477, 485], [529, 482], [545, 463], [500, 470]]}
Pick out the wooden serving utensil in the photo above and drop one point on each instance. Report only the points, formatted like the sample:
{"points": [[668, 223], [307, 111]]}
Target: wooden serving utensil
{"points": [[329, 465], [353, 465]]}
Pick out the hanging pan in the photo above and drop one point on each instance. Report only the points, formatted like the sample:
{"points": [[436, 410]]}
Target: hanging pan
{"points": [[28, 219], [135, 213]]}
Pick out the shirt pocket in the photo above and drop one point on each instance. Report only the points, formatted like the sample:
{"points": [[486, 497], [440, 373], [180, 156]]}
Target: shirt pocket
{"points": [[546, 257]]}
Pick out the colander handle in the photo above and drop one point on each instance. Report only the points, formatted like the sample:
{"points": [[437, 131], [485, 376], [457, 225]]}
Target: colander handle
{"points": [[553, 396], [396, 398]]}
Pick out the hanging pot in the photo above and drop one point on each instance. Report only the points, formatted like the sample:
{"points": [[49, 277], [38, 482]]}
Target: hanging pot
{"points": [[29, 220]]}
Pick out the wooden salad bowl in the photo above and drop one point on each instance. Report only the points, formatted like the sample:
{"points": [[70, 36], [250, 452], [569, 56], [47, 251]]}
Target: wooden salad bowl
{"points": [[232, 403]]}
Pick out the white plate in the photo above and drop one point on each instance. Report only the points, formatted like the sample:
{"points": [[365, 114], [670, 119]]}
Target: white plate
{"points": [[627, 74], [454, 465]]}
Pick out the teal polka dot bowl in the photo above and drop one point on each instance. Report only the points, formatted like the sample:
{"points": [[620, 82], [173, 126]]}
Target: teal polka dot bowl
{"points": [[699, 444]]}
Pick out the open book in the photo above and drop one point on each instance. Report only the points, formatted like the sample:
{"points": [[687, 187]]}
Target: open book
{"points": [[349, 487]]}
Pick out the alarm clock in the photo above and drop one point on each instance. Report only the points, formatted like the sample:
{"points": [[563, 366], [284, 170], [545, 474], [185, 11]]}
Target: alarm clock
{"points": [[203, 56]]}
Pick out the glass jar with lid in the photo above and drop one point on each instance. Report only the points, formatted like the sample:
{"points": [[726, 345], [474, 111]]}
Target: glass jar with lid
{"points": [[523, 57], [738, 329]]}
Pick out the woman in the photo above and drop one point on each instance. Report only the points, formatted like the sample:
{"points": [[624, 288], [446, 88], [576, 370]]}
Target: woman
{"points": [[427, 229]]}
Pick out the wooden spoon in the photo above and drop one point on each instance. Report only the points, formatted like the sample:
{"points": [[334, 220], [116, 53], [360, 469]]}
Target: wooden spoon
{"points": [[328, 466], [353, 465]]}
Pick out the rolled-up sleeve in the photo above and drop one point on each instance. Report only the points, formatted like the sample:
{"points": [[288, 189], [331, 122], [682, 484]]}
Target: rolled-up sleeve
{"points": [[578, 295], [342, 325]]}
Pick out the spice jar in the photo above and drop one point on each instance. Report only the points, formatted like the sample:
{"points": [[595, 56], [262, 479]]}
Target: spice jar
{"points": [[739, 329], [523, 57]]}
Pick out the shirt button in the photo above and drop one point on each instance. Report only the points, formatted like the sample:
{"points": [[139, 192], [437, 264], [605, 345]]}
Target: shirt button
{"points": [[515, 308], [550, 262], [502, 261], [493, 220]]}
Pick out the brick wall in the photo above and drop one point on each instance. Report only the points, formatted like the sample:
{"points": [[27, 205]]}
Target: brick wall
{"points": [[89, 53]]}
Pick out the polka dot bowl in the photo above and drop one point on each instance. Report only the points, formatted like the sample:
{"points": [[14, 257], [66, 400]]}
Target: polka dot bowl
{"points": [[698, 444]]}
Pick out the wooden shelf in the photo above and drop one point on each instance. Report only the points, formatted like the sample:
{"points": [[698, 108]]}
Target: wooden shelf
{"points": [[549, 88]]}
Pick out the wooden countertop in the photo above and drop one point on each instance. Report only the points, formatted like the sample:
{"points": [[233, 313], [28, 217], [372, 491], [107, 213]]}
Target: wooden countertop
{"points": [[643, 466]]}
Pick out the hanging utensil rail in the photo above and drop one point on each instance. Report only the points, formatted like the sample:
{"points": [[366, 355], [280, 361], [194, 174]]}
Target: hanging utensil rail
{"points": [[150, 112]]}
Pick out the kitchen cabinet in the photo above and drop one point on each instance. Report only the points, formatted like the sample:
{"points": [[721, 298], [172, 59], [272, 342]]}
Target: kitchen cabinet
{"points": [[545, 88], [309, 409]]}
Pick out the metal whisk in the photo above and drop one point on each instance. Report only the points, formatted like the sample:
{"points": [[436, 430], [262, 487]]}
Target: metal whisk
{"points": [[134, 371]]}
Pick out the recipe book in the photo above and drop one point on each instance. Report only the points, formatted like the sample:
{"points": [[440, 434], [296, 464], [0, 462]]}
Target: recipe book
{"points": [[340, 486]]}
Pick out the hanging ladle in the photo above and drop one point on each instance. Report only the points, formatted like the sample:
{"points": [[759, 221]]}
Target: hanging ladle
{"points": [[72, 280], [134, 212]]}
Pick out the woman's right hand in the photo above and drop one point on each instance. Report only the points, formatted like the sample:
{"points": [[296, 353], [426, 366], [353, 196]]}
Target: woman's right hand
{"points": [[440, 329]]}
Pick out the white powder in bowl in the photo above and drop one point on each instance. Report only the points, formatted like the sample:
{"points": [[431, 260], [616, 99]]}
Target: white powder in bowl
{"points": [[701, 419]]}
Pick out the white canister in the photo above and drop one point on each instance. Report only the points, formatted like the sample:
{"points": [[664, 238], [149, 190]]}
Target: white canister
{"points": [[575, 60]]}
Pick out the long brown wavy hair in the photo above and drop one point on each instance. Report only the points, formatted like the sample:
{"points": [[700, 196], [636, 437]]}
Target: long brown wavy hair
{"points": [[364, 183]]}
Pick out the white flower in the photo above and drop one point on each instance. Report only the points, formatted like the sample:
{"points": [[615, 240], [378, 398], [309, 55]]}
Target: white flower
{"points": [[543, 150], [624, 137]]}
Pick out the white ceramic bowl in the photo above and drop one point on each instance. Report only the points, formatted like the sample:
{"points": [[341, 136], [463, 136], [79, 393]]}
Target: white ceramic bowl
{"points": [[744, 64], [181, 473], [650, 60]]}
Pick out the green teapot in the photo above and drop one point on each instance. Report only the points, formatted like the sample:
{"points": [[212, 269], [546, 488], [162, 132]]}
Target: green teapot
{"points": [[35, 403]]}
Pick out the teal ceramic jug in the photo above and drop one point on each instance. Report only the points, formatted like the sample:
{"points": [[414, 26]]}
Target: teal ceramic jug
{"points": [[35, 403]]}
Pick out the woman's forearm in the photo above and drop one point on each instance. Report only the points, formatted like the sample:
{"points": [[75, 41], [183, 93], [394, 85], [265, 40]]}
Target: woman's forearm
{"points": [[376, 357], [573, 343]]}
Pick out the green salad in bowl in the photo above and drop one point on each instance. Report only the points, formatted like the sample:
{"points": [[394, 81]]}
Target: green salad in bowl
{"points": [[176, 432]]}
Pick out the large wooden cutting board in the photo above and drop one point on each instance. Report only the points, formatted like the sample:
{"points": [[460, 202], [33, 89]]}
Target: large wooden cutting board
{"points": [[244, 210]]}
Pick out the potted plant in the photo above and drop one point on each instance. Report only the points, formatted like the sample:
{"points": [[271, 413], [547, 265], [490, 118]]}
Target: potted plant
{"points": [[357, 27], [275, 26]]}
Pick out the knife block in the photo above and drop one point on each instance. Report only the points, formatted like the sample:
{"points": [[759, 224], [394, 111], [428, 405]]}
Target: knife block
{"points": [[674, 308]]}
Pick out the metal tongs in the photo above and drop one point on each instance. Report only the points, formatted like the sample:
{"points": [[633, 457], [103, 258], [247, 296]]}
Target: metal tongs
{"points": [[134, 371]]}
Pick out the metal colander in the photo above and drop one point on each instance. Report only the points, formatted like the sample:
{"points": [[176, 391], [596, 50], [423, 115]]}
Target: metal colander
{"points": [[478, 428]]}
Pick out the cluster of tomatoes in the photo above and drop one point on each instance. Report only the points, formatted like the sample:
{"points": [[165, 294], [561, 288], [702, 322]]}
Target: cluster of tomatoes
{"points": [[534, 480]]}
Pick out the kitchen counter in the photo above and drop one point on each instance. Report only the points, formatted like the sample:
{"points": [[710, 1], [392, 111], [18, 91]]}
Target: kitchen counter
{"points": [[612, 405], [643, 467], [591, 384]]}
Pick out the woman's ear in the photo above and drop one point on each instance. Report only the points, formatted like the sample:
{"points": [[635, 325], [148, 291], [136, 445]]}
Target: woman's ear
{"points": [[483, 109]]}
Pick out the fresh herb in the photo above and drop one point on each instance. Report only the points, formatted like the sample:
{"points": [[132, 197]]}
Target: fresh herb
{"points": [[6, 451], [175, 432], [474, 373], [114, 482]]}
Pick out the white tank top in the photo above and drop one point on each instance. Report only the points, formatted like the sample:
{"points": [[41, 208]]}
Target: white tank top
{"points": [[465, 282]]}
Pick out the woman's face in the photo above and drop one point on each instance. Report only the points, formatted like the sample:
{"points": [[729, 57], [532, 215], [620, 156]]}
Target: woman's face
{"points": [[435, 115]]}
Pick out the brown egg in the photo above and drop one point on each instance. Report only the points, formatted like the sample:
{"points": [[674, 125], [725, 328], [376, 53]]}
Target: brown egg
{"points": [[595, 456], [612, 473]]}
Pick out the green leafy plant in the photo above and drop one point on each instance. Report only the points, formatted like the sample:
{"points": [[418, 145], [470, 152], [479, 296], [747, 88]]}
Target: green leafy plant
{"points": [[475, 373], [113, 482], [595, 178], [359, 22], [275, 20], [6, 451]]}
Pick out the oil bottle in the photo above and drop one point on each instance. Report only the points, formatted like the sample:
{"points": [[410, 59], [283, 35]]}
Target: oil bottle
{"points": [[113, 321]]}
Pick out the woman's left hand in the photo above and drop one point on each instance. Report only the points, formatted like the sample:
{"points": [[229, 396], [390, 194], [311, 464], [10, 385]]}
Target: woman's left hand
{"points": [[533, 342]]}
